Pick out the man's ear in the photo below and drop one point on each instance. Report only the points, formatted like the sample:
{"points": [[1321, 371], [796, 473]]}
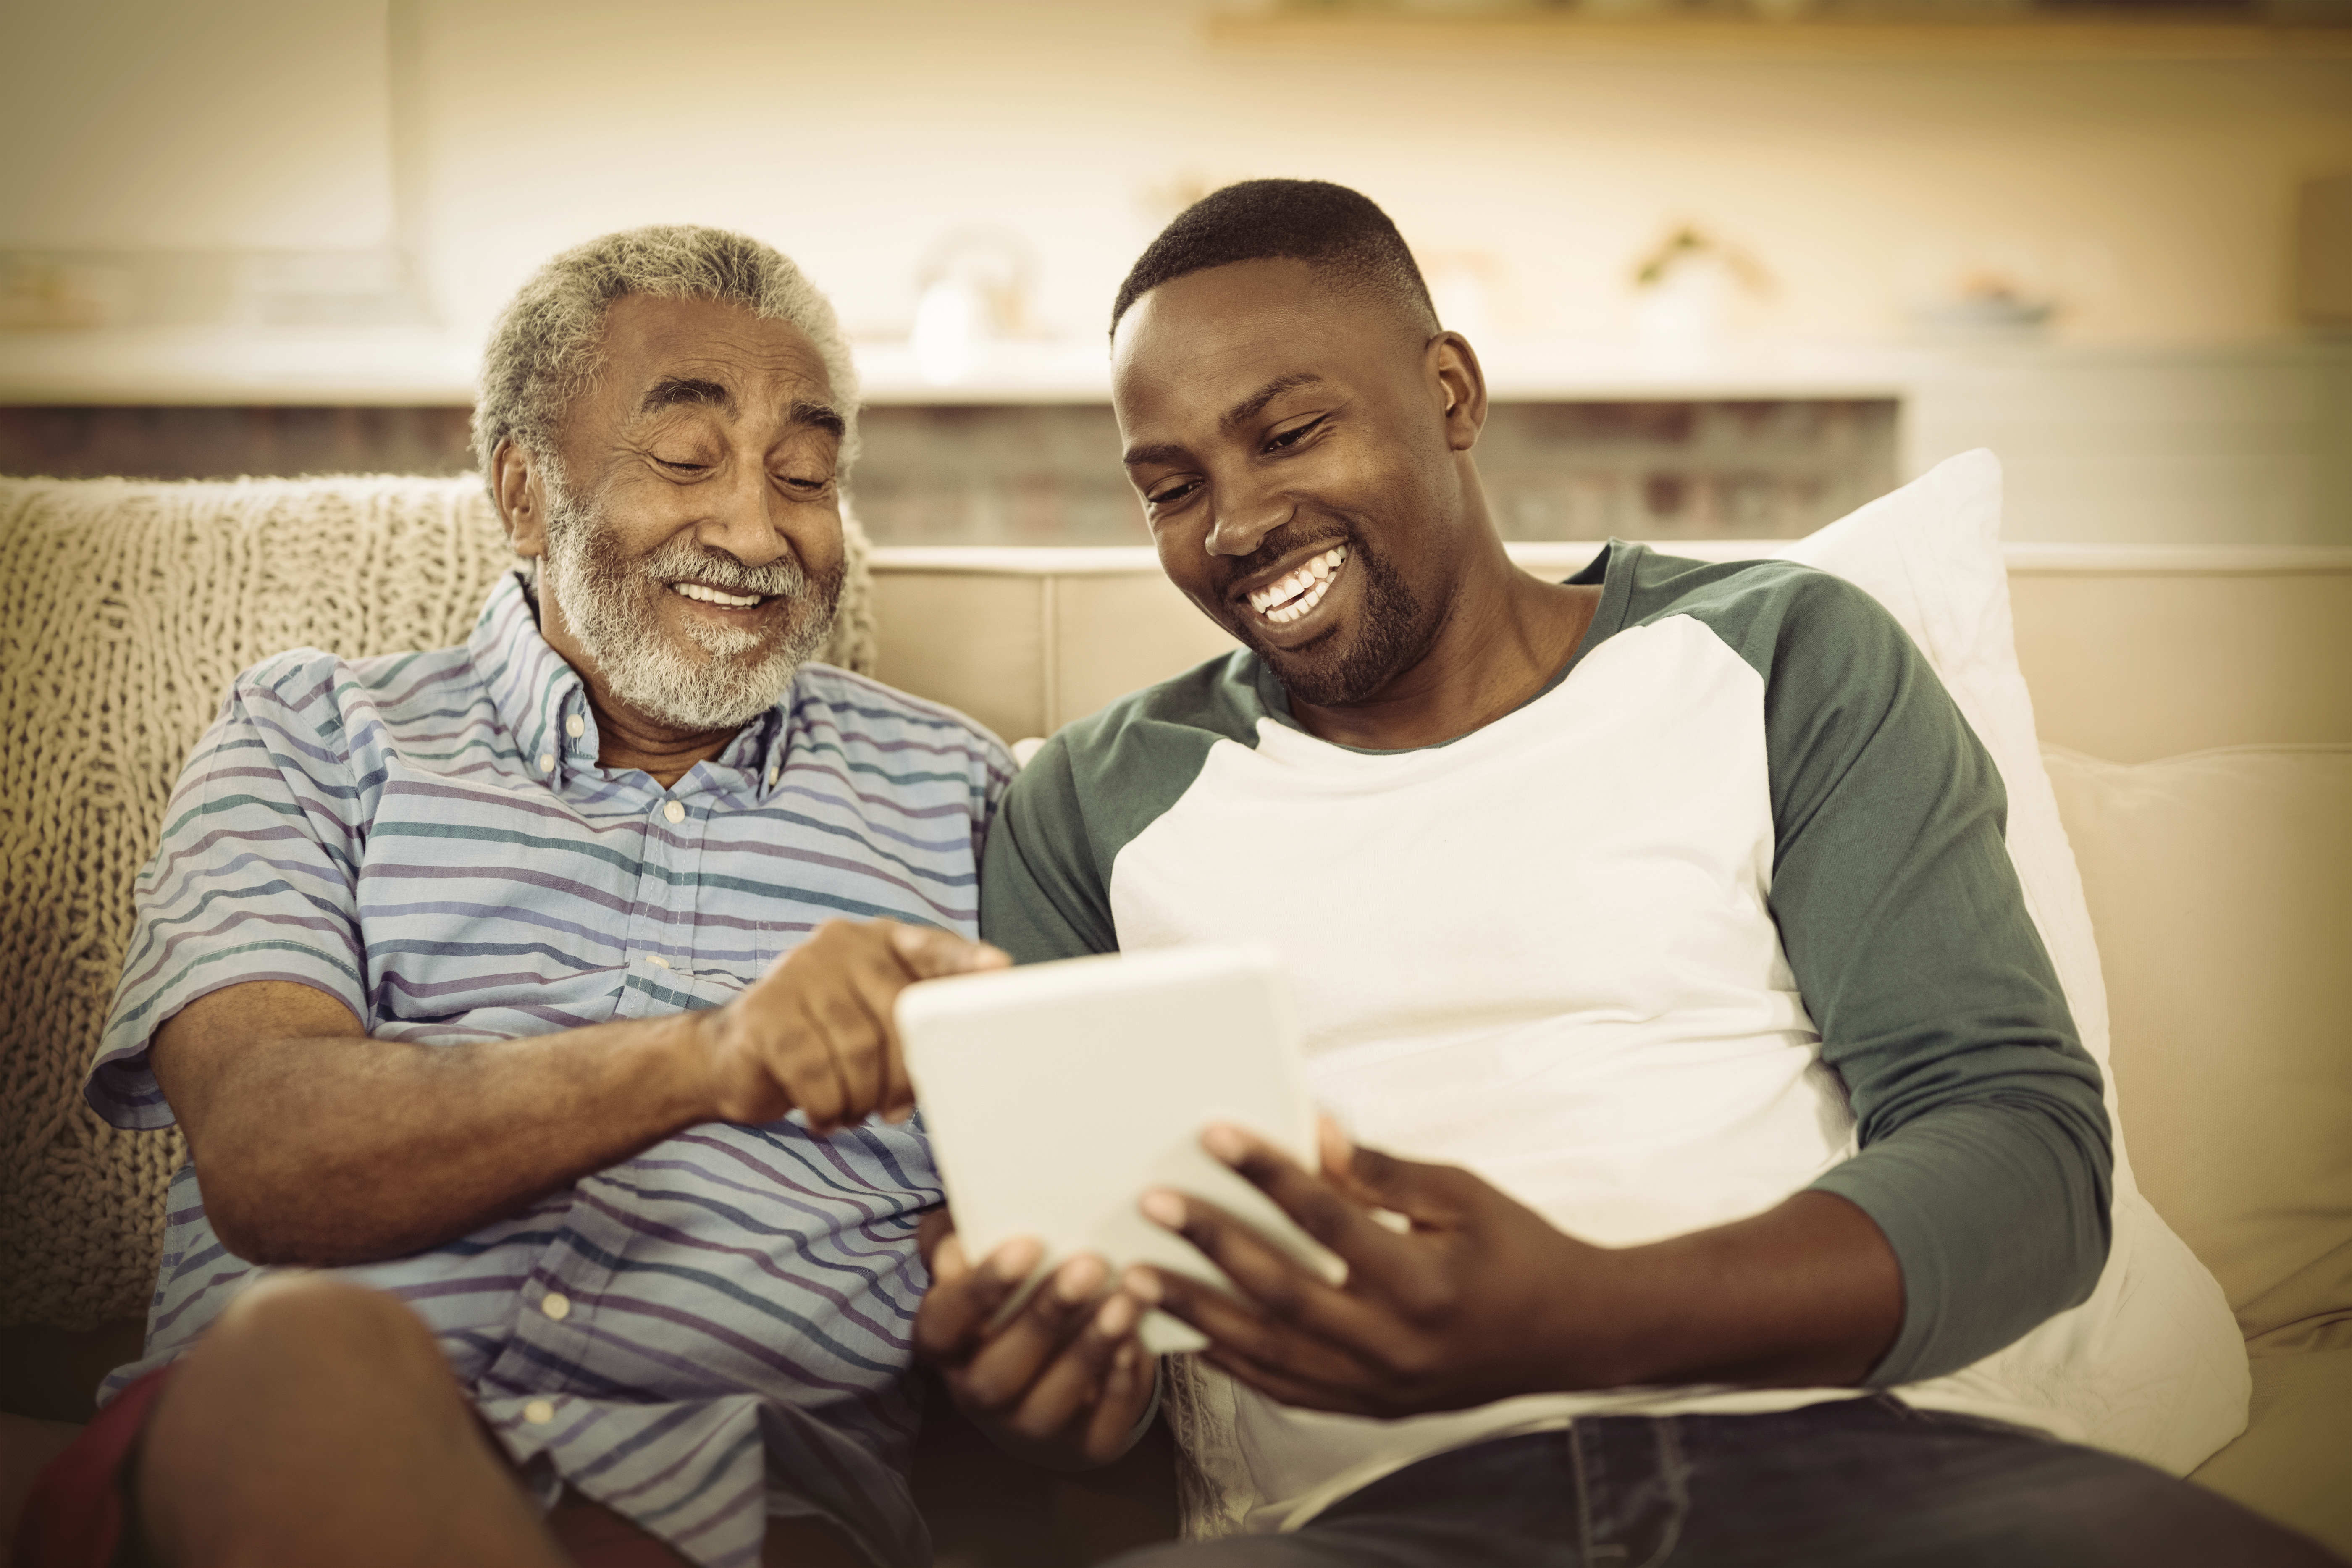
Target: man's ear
{"points": [[521, 498], [1460, 387]]}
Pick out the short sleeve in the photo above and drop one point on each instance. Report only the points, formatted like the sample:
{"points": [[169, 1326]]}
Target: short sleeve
{"points": [[1041, 894], [255, 877]]}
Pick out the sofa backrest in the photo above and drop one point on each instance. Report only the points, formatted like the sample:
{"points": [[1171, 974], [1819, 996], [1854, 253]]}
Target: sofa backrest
{"points": [[2131, 653]]}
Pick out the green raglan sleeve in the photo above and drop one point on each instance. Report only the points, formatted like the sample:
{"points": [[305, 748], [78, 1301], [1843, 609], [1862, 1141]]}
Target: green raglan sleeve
{"points": [[1041, 893], [1985, 1154]]}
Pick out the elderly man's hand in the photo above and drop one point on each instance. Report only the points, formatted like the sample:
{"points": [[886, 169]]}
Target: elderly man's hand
{"points": [[1065, 1381], [818, 1032]]}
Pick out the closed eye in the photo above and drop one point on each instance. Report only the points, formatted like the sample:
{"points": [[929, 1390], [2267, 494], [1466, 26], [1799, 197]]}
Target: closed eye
{"points": [[1283, 439], [1173, 493]]}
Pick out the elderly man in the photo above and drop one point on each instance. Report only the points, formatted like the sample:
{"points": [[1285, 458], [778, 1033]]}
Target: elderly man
{"points": [[535, 993]]}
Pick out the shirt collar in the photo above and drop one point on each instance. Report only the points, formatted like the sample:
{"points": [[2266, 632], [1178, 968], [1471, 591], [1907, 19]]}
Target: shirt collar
{"points": [[541, 701]]}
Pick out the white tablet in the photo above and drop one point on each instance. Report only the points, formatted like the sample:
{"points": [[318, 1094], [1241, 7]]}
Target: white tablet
{"points": [[1056, 1093]]}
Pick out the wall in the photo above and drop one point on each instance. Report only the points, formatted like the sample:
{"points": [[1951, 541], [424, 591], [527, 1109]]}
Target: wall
{"points": [[2174, 399], [2156, 196], [219, 124], [2154, 199]]}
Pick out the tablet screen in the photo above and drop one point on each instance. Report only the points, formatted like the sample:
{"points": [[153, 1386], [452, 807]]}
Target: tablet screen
{"points": [[1056, 1093]]}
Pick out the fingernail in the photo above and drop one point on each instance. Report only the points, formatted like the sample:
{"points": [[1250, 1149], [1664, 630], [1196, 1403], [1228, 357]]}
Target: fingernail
{"points": [[1117, 1316], [1123, 1363], [1162, 1207], [1080, 1277], [1143, 1285], [1016, 1257], [1225, 1143]]}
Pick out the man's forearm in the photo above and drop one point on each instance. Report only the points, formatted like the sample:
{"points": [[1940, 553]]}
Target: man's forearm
{"points": [[1809, 1292], [347, 1149]]}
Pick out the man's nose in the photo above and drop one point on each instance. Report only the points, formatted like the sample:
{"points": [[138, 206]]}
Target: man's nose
{"points": [[1242, 521], [745, 518]]}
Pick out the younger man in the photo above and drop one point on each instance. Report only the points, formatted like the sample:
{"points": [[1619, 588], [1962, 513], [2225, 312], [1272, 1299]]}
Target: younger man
{"points": [[1662, 916]]}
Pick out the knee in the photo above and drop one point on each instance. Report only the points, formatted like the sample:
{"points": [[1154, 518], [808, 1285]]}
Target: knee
{"points": [[313, 1325]]}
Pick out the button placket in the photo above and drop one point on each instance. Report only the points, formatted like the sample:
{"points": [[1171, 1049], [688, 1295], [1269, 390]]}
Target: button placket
{"points": [[648, 934], [686, 878]]}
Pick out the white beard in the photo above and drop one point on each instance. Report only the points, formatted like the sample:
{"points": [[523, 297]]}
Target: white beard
{"points": [[730, 675]]}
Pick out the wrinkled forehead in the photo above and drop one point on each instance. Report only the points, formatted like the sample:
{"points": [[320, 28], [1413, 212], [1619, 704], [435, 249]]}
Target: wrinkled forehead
{"points": [[662, 355]]}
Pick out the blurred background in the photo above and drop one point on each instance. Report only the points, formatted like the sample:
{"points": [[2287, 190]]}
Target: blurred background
{"points": [[1732, 267]]}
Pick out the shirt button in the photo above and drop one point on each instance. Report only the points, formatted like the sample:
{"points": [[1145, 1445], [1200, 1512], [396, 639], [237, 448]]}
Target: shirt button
{"points": [[674, 811], [659, 962], [547, 762], [575, 726], [556, 1305], [538, 1413], [774, 774]]}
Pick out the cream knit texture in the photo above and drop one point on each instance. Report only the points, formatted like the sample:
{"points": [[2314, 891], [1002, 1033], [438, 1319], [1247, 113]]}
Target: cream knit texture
{"points": [[126, 607]]}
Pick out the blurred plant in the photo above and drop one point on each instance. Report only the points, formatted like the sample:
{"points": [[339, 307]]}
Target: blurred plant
{"points": [[1690, 289]]}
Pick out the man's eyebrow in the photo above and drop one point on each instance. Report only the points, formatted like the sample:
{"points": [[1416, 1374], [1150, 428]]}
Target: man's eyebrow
{"points": [[671, 390], [1161, 452], [823, 415], [1247, 408], [678, 391]]}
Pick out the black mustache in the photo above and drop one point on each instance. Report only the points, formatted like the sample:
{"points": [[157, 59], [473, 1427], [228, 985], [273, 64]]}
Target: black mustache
{"points": [[1285, 540]]}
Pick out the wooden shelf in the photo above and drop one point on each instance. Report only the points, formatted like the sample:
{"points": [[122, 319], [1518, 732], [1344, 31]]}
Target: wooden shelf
{"points": [[1805, 40]]}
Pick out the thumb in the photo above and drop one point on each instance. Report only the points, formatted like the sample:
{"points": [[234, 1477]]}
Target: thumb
{"points": [[1423, 1193], [930, 954]]}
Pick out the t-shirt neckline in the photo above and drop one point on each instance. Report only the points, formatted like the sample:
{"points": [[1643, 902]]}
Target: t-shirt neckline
{"points": [[1611, 569]]}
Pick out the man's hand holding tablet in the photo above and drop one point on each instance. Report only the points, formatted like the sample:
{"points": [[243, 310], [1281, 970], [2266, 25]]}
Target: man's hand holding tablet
{"points": [[1057, 1096], [1064, 1381]]}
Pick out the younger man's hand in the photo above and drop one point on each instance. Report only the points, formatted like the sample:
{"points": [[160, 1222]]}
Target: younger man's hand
{"points": [[819, 1031], [1477, 1299], [1065, 1382]]}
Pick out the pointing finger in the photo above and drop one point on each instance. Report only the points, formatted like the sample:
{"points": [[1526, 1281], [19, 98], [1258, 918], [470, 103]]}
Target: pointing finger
{"points": [[931, 953]]}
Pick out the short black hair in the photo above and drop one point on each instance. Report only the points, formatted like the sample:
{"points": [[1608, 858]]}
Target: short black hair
{"points": [[1339, 232]]}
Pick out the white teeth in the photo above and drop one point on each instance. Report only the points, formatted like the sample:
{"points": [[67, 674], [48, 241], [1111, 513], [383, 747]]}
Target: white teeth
{"points": [[710, 596], [1300, 605], [1301, 590]]}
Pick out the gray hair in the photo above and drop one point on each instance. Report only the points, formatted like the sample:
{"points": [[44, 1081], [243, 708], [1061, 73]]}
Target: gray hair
{"points": [[545, 348]]}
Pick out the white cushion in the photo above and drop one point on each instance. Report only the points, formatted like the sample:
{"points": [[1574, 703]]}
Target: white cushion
{"points": [[2152, 1366]]}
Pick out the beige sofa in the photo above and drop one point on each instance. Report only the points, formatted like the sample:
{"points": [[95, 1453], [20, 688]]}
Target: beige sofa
{"points": [[2196, 705]]}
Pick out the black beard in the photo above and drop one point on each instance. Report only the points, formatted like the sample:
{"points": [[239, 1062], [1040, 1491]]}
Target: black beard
{"points": [[1391, 640]]}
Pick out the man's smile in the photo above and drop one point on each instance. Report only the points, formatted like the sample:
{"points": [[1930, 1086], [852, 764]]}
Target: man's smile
{"points": [[721, 599], [1283, 603]]}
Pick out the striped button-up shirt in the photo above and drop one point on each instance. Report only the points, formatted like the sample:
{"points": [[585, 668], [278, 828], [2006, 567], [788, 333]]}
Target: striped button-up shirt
{"points": [[710, 1332]]}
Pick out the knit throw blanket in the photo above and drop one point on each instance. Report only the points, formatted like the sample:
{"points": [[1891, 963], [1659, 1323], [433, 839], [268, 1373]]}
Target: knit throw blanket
{"points": [[125, 609]]}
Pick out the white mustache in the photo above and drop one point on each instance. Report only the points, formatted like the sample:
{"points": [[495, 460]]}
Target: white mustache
{"points": [[683, 562]]}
